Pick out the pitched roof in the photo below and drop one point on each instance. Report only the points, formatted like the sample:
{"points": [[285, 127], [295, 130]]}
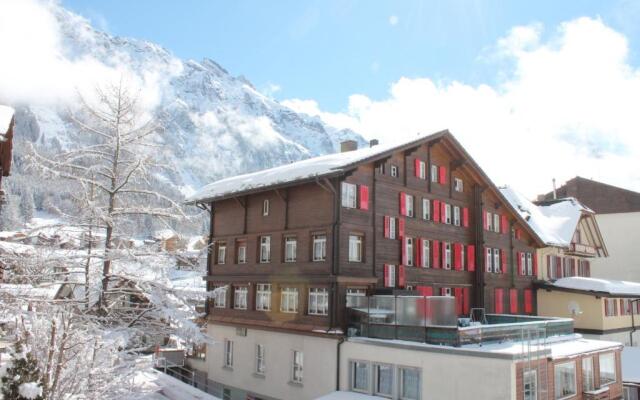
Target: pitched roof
{"points": [[600, 197], [597, 286]]}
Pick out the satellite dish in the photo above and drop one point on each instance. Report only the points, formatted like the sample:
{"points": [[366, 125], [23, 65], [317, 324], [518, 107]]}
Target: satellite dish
{"points": [[574, 308]]}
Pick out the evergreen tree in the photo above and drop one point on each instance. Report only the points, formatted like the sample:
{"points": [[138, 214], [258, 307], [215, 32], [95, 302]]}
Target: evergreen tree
{"points": [[21, 380]]}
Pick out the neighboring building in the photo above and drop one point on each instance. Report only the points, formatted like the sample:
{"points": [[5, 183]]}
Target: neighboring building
{"points": [[618, 215], [631, 373], [6, 144], [602, 309], [290, 244]]}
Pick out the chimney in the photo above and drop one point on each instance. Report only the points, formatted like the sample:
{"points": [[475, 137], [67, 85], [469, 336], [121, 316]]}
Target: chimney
{"points": [[555, 196], [373, 142], [348, 145]]}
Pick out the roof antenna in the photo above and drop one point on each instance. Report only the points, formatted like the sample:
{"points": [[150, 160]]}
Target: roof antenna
{"points": [[555, 196]]}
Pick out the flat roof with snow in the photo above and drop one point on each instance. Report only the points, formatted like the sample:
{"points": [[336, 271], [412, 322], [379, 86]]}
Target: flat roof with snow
{"points": [[596, 286]]}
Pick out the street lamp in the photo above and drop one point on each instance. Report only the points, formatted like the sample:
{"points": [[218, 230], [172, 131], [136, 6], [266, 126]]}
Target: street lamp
{"points": [[633, 323]]}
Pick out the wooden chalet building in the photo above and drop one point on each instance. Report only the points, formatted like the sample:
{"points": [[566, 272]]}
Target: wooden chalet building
{"points": [[6, 144], [291, 244]]}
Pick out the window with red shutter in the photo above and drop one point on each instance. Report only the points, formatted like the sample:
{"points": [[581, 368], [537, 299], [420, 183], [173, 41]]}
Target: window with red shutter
{"points": [[436, 211], [457, 256], [457, 293], [405, 257], [401, 276], [519, 262], [471, 257], [386, 275], [424, 290], [498, 305], [513, 301], [528, 301], [436, 253], [442, 175], [535, 263], [503, 261], [443, 213], [364, 197], [444, 255], [387, 226], [403, 203], [418, 261], [400, 228], [466, 302], [504, 222], [465, 217], [484, 221], [416, 167]]}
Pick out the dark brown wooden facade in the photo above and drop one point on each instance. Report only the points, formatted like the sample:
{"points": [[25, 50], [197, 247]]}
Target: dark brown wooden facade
{"points": [[306, 209]]}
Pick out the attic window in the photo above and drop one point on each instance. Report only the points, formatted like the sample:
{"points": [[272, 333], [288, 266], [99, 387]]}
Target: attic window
{"points": [[394, 171], [265, 207]]}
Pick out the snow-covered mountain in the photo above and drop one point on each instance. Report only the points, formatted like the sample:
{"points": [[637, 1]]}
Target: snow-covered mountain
{"points": [[217, 124]]}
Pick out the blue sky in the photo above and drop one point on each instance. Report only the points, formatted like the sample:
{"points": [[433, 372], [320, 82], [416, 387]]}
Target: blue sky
{"points": [[329, 50]]}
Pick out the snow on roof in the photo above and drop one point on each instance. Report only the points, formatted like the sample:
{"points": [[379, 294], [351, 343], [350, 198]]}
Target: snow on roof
{"points": [[45, 291], [6, 114], [306, 169], [613, 287], [554, 223], [163, 387], [631, 364], [341, 395]]}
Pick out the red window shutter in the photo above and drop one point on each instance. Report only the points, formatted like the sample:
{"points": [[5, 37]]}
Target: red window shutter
{"points": [[443, 175], [401, 276], [498, 305], [435, 249], [484, 220], [457, 255], [403, 203], [364, 197], [443, 212], [504, 224], [416, 167], [519, 262], [528, 301], [386, 275], [418, 261], [425, 290], [471, 257], [465, 217], [457, 293], [387, 226], [534, 255], [503, 261], [436, 211], [404, 251], [444, 254], [400, 228], [466, 302], [513, 301]]}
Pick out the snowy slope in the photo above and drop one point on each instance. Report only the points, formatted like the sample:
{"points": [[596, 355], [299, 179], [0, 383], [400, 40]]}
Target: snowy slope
{"points": [[217, 124]]}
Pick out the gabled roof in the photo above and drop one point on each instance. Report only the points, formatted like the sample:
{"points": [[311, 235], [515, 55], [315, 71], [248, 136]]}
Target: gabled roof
{"points": [[554, 222], [333, 165], [595, 286]]}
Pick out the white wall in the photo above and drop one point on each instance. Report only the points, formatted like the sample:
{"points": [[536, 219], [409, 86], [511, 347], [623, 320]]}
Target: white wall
{"points": [[319, 363], [621, 234], [444, 375]]}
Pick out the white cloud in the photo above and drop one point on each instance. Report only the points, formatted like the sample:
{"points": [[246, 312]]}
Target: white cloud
{"points": [[568, 106], [271, 89], [393, 20]]}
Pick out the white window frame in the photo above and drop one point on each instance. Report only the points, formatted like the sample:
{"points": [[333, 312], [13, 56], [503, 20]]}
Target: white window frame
{"points": [[529, 264], [556, 385], [426, 254], [392, 227], [222, 253], [447, 213], [489, 221], [354, 292], [261, 362], [356, 250], [426, 209], [242, 252], [349, 195], [290, 246], [265, 207], [381, 169], [227, 357], [447, 255], [319, 248], [265, 249], [423, 170], [289, 300], [489, 259], [408, 202], [612, 358], [297, 366], [240, 295], [496, 223], [376, 379], [434, 173], [456, 215], [463, 259], [401, 371], [496, 261], [523, 263], [394, 171], [446, 291], [408, 248], [354, 367], [263, 297], [588, 379], [612, 304], [318, 301], [392, 275], [532, 393], [220, 297], [458, 185]]}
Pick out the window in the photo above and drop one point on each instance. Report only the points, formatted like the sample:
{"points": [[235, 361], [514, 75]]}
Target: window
{"points": [[354, 295], [220, 297], [426, 209], [607, 368], [587, 374], [297, 369], [260, 360], [290, 249], [383, 380], [447, 255], [408, 201], [263, 297], [523, 264], [489, 221], [228, 353], [289, 300], [458, 185], [496, 261], [360, 376], [565, 379], [222, 252], [434, 173], [496, 223], [463, 258], [240, 298], [446, 291], [226, 394], [318, 301], [319, 247], [265, 207], [426, 254], [610, 307], [348, 195], [408, 248], [381, 169], [394, 171], [447, 213], [530, 379], [409, 383], [241, 252], [456, 216], [422, 171], [529, 264], [489, 259], [392, 228], [355, 248], [265, 249]]}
